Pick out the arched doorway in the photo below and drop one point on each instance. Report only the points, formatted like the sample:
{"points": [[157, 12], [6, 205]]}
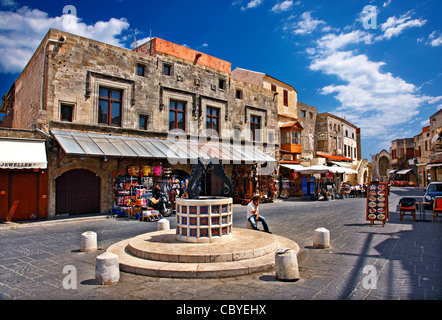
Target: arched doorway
{"points": [[77, 192], [384, 165]]}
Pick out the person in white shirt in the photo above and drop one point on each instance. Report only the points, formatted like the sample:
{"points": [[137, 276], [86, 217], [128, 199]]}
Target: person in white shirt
{"points": [[253, 215]]}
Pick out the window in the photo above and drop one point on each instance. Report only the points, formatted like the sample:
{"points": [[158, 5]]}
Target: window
{"points": [[176, 115], [255, 126], [273, 88], [66, 112], [141, 70], [222, 84], [286, 98], [167, 69], [311, 115], [143, 122], [212, 120], [109, 111], [303, 114], [238, 94]]}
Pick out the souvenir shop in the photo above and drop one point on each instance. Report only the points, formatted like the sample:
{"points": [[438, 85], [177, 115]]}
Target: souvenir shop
{"points": [[248, 182], [290, 183], [134, 185]]}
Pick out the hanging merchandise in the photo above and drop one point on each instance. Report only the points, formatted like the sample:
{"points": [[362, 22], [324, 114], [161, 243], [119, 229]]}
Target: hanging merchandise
{"points": [[157, 170], [167, 171], [134, 171], [147, 170]]}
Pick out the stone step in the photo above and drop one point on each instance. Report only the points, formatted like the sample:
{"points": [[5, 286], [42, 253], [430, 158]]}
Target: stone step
{"points": [[154, 268], [162, 246]]}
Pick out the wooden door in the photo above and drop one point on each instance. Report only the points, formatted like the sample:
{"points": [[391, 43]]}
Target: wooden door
{"points": [[78, 192], [23, 202]]}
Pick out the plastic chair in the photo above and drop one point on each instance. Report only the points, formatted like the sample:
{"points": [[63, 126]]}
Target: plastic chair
{"points": [[437, 207], [407, 206]]}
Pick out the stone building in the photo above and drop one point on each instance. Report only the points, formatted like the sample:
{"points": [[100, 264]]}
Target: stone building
{"points": [[381, 166], [336, 137], [428, 155], [307, 118], [286, 98], [104, 110]]}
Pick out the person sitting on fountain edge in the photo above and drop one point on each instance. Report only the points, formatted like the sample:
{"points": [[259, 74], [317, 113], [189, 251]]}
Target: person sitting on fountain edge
{"points": [[253, 215]]}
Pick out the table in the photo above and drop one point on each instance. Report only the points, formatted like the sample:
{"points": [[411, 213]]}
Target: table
{"points": [[422, 204]]}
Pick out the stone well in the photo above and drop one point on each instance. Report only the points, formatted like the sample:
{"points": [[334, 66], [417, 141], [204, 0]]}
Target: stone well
{"points": [[204, 220]]}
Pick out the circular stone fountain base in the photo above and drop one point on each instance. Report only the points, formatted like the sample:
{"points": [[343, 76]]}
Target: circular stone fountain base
{"points": [[160, 254]]}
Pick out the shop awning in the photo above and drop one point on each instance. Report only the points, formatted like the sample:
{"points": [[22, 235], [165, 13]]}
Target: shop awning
{"points": [[22, 154], [336, 158], [433, 165], [392, 171], [105, 145], [404, 171]]}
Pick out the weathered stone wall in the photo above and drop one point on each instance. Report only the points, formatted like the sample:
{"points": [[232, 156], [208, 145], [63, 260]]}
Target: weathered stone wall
{"points": [[307, 117], [77, 68]]}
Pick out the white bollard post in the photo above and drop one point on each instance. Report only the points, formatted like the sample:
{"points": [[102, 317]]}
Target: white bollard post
{"points": [[321, 238], [88, 241], [286, 265], [107, 269], [163, 224]]}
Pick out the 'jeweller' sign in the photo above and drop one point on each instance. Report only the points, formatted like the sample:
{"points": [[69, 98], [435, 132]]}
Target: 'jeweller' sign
{"points": [[17, 165]]}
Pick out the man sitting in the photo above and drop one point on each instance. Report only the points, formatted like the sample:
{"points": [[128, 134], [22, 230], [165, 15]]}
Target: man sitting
{"points": [[253, 215]]}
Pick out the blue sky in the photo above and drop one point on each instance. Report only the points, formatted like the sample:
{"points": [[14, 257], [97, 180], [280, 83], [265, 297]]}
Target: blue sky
{"points": [[376, 62]]}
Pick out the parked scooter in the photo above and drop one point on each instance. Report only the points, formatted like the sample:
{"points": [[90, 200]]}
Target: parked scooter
{"points": [[163, 205]]}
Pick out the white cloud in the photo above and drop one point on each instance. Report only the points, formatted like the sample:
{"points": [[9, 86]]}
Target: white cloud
{"points": [[386, 3], [434, 40], [334, 42], [22, 31], [369, 97], [395, 26], [282, 6], [252, 4], [8, 3], [306, 25]]}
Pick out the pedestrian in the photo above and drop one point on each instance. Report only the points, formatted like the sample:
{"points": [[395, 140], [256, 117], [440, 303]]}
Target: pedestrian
{"points": [[253, 215]]}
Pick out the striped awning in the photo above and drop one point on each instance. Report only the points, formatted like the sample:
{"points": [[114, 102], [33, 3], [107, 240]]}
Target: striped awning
{"points": [[105, 145]]}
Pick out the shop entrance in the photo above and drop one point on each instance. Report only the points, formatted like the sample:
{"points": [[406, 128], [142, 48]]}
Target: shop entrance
{"points": [[78, 192], [24, 196]]}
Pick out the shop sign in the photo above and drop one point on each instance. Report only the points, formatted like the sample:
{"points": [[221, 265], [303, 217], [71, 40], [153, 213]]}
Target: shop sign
{"points": [[17, 165], [377, 203]]}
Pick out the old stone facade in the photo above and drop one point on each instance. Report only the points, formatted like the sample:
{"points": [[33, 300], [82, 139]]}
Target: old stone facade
{"points": [[307, 117], [77, 84], [336, 136]]}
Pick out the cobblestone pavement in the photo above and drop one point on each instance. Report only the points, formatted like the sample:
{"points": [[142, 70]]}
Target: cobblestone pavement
{"points": [[406, 257]]}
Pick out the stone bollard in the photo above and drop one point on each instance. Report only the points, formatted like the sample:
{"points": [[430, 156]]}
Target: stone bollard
{"points": [[163, 224], [321, 238], [286, 265], [88, 241], [107, 269]]}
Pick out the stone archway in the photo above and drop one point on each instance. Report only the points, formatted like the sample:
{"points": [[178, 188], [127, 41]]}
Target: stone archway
{"points": [[77, 192], [384, 165]]}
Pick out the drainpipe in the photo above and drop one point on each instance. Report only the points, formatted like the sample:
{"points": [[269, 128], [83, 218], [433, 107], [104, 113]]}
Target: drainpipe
{"points": [[61, 40]]}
